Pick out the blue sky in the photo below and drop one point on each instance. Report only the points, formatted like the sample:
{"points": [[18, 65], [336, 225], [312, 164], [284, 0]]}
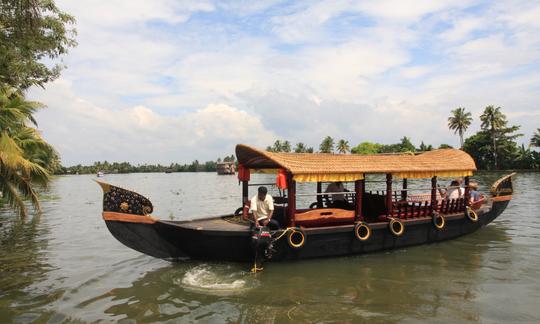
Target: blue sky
{"points": [[168, 81]]}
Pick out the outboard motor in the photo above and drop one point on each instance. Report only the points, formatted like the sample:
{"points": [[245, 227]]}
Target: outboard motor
{"points": [[261, 243]]}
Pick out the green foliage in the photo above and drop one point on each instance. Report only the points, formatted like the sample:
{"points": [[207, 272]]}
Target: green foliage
{"points": [[228, 158], [279, 146], [24, 156], [343, 146], [526, 159], [405, 145], [535, 140], [302, 148], [32, 32], [479, 146], [367, 148], [501, 137], [423, 147], [445, 146], [126, 167], [493, 120], [459, 122], [327, 145]]}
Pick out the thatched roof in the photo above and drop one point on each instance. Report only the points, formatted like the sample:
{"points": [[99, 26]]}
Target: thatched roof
{"points": [[321, 166]]}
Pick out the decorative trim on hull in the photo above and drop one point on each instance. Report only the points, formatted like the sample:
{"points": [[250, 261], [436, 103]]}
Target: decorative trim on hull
{"points": [[128, 218], [502, 198]]}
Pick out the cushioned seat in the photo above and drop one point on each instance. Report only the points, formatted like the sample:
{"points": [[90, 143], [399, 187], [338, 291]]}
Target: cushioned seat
{"points": [[324, 217]]}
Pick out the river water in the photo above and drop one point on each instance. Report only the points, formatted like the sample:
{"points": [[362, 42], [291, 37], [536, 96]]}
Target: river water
{"points": [[65, 266]]}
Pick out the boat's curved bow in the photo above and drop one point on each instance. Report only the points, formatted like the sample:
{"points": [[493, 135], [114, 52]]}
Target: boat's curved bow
{"points": [[127, 216]]}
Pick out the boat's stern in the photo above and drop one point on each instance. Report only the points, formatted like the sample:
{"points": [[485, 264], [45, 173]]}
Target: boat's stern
{"points": [[502, 191]]}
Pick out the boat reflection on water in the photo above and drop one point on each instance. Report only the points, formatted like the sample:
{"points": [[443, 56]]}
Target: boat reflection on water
{"points": [[419, 282]]}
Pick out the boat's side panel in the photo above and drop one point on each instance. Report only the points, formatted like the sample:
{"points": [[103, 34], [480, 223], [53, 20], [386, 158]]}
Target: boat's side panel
{"points": [[235, 246], [203, 244], [144, 238], [324, 244]]}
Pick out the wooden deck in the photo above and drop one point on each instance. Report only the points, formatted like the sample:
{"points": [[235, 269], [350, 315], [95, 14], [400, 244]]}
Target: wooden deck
{"points": [[211, 224]]}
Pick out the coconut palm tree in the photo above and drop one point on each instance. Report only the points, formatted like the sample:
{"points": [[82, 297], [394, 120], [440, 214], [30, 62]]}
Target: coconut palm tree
{"points": [[300, 148], [493, 120], [535, 140], [459, 122], [21, 150], [286, 146], [327, 145], [343, 146]]}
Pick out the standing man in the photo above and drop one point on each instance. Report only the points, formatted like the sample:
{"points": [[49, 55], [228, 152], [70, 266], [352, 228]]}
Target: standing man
{"points": [[262, 207]]}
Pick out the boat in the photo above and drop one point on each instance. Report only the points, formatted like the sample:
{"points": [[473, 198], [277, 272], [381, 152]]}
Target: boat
{"points": [[100, 174], [224, 168], [395, 217]]}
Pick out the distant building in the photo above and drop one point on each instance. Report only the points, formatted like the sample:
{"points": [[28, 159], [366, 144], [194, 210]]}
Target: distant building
{"points": [[225, 168]]}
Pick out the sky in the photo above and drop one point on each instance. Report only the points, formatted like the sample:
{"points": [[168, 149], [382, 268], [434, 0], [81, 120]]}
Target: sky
{"points": [[173, 81]]}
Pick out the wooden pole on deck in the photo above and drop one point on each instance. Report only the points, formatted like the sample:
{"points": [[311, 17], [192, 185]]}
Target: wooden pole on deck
{"points": [[291, 200], [404, 191], [389, 194], [359, 191], [433, 194], [467, 192], [245, 187], [319, 197]]}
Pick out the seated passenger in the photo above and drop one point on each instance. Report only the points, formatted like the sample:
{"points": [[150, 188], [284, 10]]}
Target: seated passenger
{"points": [[455, 190], [262, 207], [473, 191], [338, 199]]}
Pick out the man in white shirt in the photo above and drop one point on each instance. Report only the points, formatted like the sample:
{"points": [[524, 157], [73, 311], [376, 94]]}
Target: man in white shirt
{"points": [[338, 199], [455, 190], [262, 207]]}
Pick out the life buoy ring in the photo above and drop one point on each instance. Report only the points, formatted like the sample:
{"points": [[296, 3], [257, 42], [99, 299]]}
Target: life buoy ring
{"points": [[296, 238], [471, 215], [439, 221], [396, 227], [362, 231]]}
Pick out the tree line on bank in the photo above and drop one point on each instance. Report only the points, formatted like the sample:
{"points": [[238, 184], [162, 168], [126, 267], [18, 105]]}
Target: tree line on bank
{"points": [[494, 147], [126, 167]]}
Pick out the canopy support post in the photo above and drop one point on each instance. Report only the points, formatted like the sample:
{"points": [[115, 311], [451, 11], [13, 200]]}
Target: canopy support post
{"points": [[467, 193], [319, 197], [404, 191], [359, 193], [389, 194], [245, 187], [291, 204], [433, 194]]}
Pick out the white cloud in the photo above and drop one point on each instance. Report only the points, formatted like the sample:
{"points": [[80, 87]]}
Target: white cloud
{"points": [[187, 80], [118, 13], [139, 134]]}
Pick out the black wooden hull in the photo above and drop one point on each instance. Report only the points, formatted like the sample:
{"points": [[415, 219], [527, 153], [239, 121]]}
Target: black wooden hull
{"points": [[176, 240]]}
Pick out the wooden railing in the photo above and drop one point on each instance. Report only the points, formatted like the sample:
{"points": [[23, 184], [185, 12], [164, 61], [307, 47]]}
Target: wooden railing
{"points": [[420, 205]]}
